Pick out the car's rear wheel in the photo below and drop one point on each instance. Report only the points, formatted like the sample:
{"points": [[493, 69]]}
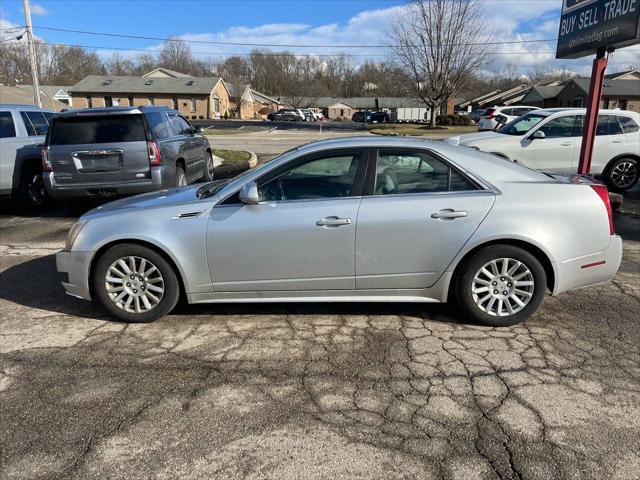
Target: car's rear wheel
{"points": [[622, 174], [500, 285], [181, 177], [135, 283], [207, 175], [32, 194]]}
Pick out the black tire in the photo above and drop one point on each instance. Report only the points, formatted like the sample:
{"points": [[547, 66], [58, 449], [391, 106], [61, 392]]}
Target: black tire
{"points": [[463, 286], [622, 174], [208, 172], [181, 177], [167, 301], [32, 195]]}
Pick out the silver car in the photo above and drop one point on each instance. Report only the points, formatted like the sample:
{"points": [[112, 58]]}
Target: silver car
{"points": [[354, 219]]}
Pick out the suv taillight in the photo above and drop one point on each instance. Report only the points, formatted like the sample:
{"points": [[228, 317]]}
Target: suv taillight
{"points": [[603, 193], [155, 158], [46, 162], [490, 113]]}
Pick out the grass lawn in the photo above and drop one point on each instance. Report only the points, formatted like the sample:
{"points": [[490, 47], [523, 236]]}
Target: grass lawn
{"points": [[234, 162], [233, 156], [418, 130]]}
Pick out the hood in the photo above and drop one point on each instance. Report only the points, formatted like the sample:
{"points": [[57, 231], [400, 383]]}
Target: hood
{"points": [[475, 137], [159, 199]]}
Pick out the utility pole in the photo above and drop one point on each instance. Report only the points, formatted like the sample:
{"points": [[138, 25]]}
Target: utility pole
{"points": [[32, 52]]}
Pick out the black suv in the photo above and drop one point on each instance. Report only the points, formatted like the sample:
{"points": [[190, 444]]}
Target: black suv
{"points": [[117, 151]]}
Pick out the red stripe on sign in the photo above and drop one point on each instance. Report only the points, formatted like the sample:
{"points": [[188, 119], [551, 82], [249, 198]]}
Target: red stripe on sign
{"points": [[594, 264]]}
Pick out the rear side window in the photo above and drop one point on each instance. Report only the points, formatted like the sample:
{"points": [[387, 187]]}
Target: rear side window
{"points": [[97, 129], [159, 125], [628, 125], [7, 128], [608, 125], [402, 172], [35, 122]]}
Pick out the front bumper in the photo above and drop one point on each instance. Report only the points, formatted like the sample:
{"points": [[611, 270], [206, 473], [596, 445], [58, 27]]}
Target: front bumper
{"points": [[74, 268], [588, 270]]}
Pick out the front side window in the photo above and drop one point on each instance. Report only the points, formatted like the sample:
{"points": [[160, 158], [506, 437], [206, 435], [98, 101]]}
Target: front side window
{"points": [[180, 125], [560, 127], [35, 122], [94, 129], [400, 172], [7, 127], [331, 176], [521, 125]]}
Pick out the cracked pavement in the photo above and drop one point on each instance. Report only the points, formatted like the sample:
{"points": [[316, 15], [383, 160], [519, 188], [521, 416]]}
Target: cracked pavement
{"points": [[313, 391]]}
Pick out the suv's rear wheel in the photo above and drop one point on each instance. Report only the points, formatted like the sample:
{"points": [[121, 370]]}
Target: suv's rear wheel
{"points": [[181, 177], [207, 175], [500, 285], [32, 194], [135, 284], [622, 174]]}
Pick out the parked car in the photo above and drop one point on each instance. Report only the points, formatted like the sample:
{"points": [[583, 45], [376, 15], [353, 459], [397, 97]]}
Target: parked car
{"points": [[551, 140], [117, 151], [371, 117], [476, 115], [288, 115], [488, 119], [309, 115], [435, 222], [22, 132]]}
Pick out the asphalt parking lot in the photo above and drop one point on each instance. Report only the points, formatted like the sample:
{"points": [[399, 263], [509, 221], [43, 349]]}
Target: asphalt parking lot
{"points": [[313, 391]]}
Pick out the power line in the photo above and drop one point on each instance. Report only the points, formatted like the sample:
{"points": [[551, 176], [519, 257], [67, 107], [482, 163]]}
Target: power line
{"points": [[274, 54], [281, 45]]}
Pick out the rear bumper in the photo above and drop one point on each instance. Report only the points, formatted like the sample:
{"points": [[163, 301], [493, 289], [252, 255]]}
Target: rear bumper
{"points": [[590, 269], [74, 270], [104, 189]]}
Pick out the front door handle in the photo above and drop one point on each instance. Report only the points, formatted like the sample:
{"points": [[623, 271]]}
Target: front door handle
{"points": [[449, 213], [566, 144], [333, 222], [616, 141]]}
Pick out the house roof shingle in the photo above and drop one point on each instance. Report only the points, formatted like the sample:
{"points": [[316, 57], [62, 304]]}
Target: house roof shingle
{"points": [[147, 85], [612, 88]]}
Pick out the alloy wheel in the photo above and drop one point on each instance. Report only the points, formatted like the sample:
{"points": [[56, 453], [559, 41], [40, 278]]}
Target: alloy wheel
{"points": [[502, 287], [36, 192], [210, 166], [134, 284], [624, 174]]}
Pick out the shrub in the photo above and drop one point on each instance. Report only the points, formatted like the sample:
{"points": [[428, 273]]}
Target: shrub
{"points": [[450, 120]]}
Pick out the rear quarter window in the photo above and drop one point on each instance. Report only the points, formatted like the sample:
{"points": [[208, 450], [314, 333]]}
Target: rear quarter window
{"points": [[97, 129], [628, 125]]}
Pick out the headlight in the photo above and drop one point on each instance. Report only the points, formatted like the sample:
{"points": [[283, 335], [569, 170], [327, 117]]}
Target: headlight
{"points": [[73, 234]]}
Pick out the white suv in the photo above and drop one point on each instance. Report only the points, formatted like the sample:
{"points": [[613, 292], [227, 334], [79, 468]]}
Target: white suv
{"points": [[22, 133], [488, 119], [551, 140]]}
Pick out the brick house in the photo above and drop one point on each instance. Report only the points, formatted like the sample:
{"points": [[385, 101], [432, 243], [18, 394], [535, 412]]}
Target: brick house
{"points": [[196, 98], [619, 93], [247, 103]]}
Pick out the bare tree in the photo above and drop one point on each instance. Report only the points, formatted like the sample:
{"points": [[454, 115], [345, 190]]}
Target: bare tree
{"points": [[176, 55], [439, 45]]}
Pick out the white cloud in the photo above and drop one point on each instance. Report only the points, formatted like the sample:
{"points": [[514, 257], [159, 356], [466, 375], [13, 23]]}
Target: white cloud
{"points": [[38, 10]]}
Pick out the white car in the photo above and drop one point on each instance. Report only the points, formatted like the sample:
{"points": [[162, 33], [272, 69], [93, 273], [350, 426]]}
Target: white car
{"points": [[551, 140], [488, 118], [22, 133]]}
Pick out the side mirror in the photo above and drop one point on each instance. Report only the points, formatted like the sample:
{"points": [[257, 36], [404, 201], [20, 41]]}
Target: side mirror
{"points": [[198, 129], [538, 134], [249, 194]]}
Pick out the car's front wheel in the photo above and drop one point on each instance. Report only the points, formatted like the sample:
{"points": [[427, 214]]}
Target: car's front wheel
{"points": [[500, 285], [622, 174], [135, 283]]}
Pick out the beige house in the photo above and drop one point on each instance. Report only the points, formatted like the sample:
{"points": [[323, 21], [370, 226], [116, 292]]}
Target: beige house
{"points": [[197, 98], [246, 103]]}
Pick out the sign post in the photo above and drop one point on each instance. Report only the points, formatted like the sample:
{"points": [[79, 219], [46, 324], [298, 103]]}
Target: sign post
{"points": [[596, 26]]}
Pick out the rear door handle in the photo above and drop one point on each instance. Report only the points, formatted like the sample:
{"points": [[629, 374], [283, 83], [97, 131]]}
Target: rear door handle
{"points": [[333, 222], [566, 144], [449, 213], [616, 141]]}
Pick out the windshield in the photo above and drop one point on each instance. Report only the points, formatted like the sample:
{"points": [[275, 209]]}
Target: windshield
{"points": [[521, 125]]}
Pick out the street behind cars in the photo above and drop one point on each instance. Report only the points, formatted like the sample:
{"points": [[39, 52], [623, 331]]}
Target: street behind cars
{"points": [[551, 140]]}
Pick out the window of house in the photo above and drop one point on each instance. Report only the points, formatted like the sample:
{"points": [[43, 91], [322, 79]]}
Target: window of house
{"points": [[89, 102], [577, 102], [35, 122], [194, 105], [131, 101], [152, 100], [330, 176], [175, 103], [108, 101], [7, 127], [402, 172]]}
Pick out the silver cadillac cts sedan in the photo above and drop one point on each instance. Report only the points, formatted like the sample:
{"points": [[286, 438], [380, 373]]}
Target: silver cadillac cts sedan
{"points": [[356, 219]]}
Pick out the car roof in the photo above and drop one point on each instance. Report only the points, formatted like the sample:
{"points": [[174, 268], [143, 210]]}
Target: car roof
{"points": [[23, 106], [602, 111], [115, 110]]}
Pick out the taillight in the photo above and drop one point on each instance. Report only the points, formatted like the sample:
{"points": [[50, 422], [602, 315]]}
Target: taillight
{"points": [[491, 113], [155, 158], [46, 162], [603, 193]]}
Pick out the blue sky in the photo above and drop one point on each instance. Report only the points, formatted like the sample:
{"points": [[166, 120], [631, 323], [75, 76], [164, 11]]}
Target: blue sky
{"points": [[313, 22]]}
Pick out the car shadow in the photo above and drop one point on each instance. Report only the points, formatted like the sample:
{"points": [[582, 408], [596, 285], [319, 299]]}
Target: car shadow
{"points": [[36, 284]]}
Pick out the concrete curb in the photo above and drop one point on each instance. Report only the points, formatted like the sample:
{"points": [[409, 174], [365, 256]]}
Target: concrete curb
{"points": [[253, 161]]}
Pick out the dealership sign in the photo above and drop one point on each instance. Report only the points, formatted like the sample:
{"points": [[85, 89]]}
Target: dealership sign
{"points": [[587, 25]]}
